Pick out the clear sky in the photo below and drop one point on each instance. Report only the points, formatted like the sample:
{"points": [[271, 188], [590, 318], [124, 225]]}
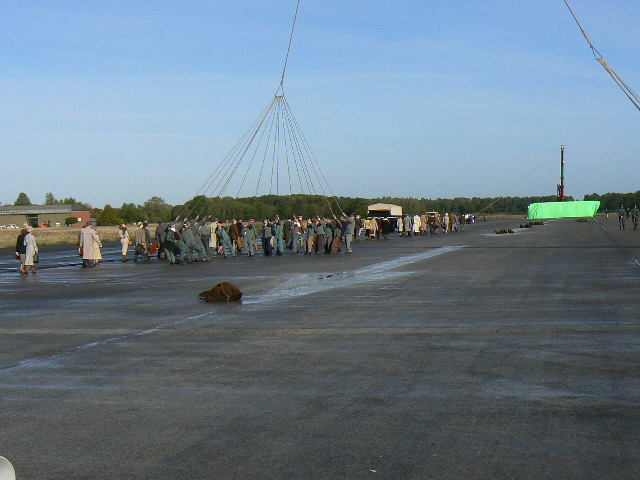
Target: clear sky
{"points": [[118, 101]]}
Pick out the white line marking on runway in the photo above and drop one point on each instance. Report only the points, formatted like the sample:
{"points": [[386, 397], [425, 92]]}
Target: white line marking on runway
{"points": [[312, 283], [295, 287]]}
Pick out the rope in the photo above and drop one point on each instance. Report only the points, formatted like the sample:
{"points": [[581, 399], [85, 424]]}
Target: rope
{"points": [[286, 60], [275, 134], [631, 95]]}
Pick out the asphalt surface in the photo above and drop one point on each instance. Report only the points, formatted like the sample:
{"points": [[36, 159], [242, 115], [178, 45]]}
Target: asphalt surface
{"points": [[462, 356]]}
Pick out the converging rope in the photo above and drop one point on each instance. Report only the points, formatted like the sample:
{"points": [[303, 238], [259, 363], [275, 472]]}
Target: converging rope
{"points": [[631, 95], [276, 144]]}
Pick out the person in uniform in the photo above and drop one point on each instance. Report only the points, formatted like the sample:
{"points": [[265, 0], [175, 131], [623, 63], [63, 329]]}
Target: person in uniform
{"points": [[621, 214], [183, 251], [160, 235], [189, 241], [249, 237], [202, 226], [328, 231], [309, 237], [169, 244], [267, 237], [320, 236], [349, 231], [225, 242], [634, 216], [278, 237], [196, 243], [288, 234], [296, 229]]}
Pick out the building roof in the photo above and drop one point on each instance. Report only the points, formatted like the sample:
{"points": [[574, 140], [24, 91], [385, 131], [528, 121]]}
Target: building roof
{"points": [[39, 209]]}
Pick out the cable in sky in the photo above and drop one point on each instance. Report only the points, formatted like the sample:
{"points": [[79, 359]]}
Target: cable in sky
{"points": [[631, 95], [286, 60]]}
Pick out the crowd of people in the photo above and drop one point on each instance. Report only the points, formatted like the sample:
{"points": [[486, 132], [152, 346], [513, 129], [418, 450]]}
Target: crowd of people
{"points": [[202, 238], [415, 225]]}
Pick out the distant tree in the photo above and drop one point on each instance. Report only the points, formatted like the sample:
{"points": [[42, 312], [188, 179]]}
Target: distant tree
{"points": [[131, 213], [22, 200], [49, 199], [70, 221], [107, 216], [156, 210]]}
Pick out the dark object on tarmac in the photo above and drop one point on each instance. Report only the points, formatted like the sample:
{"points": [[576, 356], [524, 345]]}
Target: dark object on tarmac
{"points": [[507, 230], [582, 220], [531, 224], [222, 292]]}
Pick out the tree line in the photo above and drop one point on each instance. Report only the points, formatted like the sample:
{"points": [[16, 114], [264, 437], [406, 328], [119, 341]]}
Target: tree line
{"points": [[268, 206], [613, 201], [156, 209]]}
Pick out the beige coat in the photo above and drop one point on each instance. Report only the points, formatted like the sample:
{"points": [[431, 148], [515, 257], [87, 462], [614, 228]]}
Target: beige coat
{"points": [[88, 241], [32, 248]]}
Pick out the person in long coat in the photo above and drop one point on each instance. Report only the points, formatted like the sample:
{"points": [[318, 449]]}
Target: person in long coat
{"points": [[373, 229], [88, 239], [416, 225], [31, 251], [97, 245], [406, 222]]}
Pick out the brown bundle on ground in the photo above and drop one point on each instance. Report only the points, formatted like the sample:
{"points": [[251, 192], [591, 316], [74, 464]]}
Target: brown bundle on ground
{"points": [[222, 292]]}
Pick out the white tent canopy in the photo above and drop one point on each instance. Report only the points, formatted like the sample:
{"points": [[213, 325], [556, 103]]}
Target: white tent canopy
{"points": [[385, 210]]}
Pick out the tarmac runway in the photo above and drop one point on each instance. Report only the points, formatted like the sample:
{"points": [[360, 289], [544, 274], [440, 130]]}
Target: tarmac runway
{"points": [[463, 356]]}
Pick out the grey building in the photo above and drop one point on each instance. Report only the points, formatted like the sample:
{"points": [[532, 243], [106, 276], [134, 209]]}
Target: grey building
{"points": [[35, 215]]}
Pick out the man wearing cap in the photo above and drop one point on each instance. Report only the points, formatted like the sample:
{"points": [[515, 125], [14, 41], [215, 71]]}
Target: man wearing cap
{"points": [[278, 237], [349, 230], [249, 237], [320, 237], [160, 236], [296, 234], [225, 241]]}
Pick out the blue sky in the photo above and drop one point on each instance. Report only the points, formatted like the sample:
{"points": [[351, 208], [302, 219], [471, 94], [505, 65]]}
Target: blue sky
{"points": [[114, 101]]}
